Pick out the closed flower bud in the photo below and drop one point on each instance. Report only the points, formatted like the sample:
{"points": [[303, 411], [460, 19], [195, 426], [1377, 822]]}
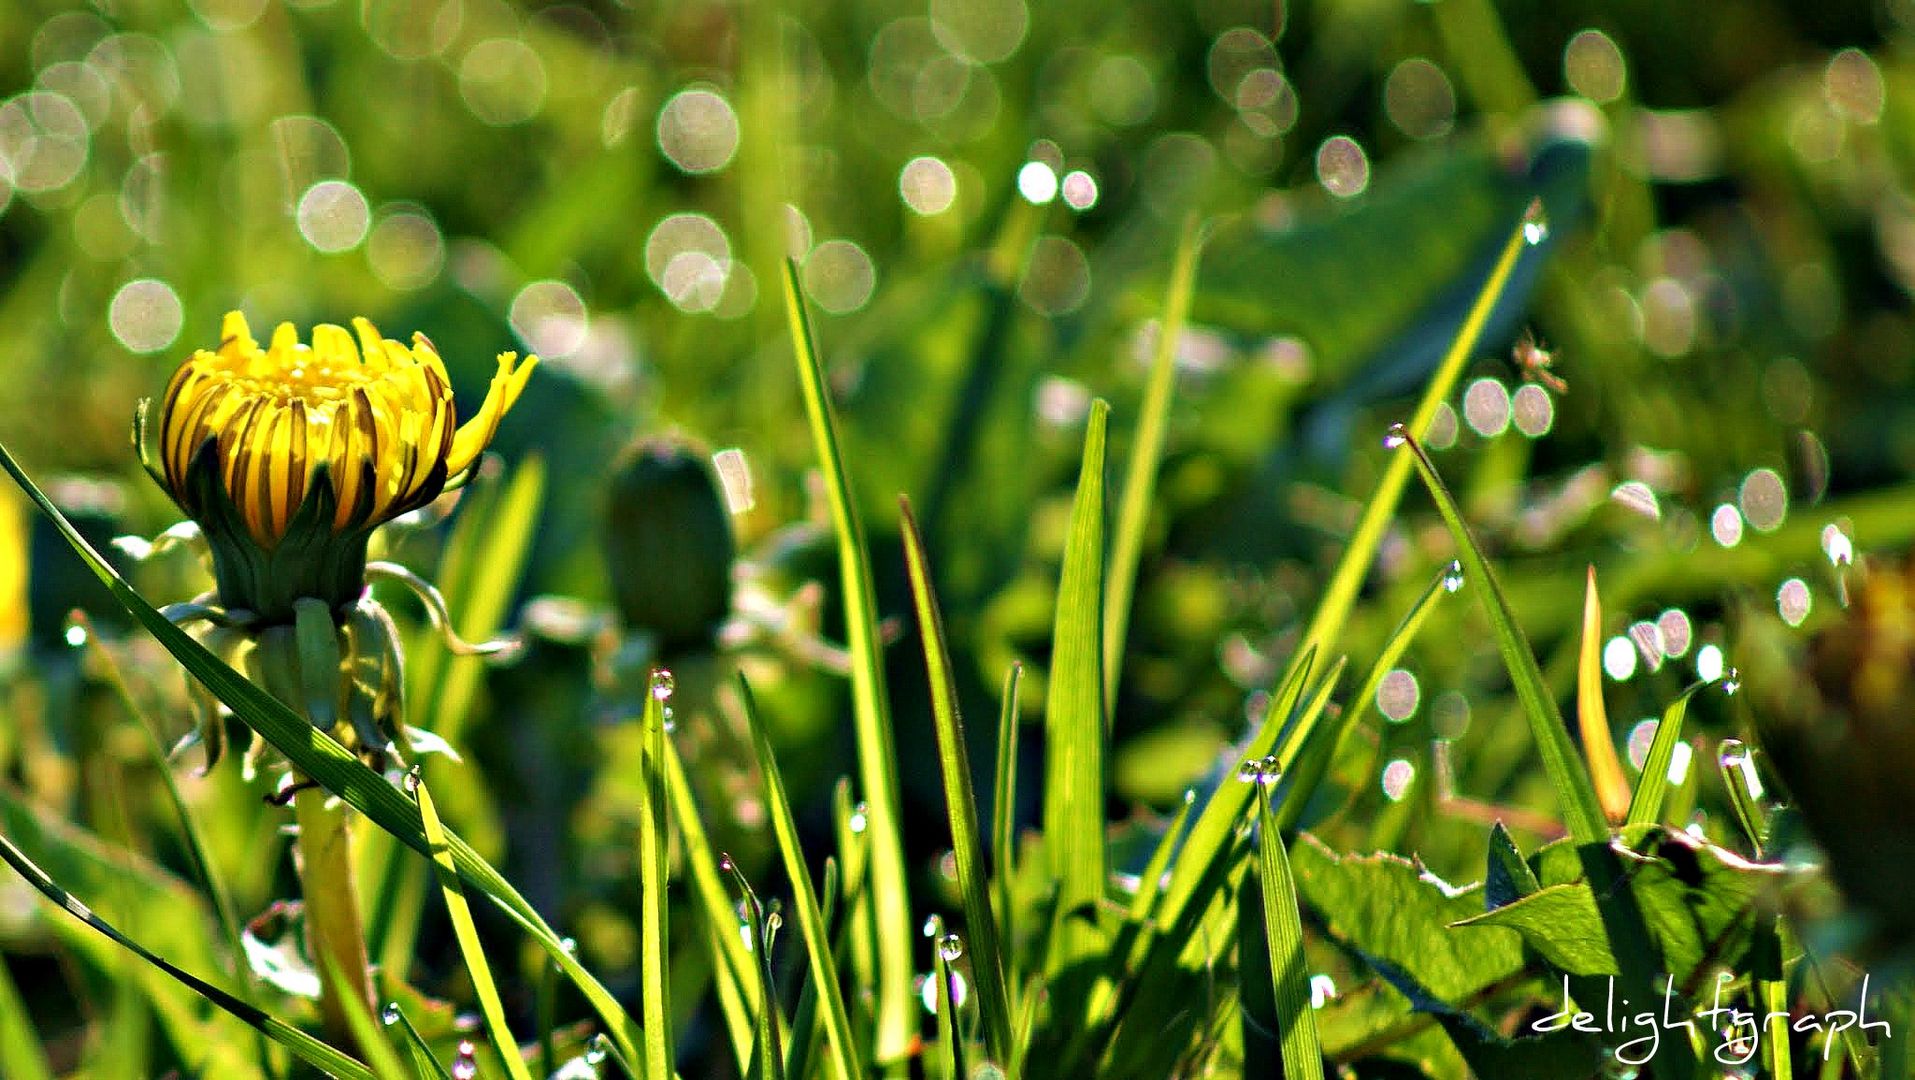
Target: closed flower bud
{"points": [[668, 544]]}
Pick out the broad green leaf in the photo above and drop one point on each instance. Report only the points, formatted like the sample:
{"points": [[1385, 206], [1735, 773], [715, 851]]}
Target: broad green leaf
{"points": [[1509, 877], [877, 749], [1388, 909], [954, 764], [1074, 720], [1561, 923], [1581, 811]]}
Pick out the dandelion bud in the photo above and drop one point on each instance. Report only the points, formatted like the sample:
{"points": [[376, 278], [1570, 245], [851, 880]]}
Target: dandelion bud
{"points": [[669, 545]]}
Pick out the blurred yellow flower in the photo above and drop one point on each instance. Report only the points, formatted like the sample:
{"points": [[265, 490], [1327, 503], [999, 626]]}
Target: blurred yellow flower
{"points": [[375, 414], [13, 572]]}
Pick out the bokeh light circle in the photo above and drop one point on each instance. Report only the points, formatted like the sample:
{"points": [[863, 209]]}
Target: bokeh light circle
{"points": [[839, 276], [145, 315], [550, 317], [698, 131]]}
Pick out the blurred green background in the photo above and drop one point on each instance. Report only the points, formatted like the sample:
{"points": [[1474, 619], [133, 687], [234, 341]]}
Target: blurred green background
{"points": [[982, 197]]}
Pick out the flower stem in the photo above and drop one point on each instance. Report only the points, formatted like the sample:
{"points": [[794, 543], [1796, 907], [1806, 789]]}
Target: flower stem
{"points": [[334, 932]]}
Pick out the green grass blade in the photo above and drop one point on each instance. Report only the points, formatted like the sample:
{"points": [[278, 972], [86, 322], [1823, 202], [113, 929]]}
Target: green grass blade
{"points": [[332, 766], [945, 1053], [306, 1047], [877, 752], [1283, 933], [22, 1054], [1146, 454], [767, 1060], [653, 867], [1004, 807], [424, 1065], [1574, 789], [734, 961], [1074, 718], [490, 1007], [484, 559], [1645, 806], [954, 762], [811, 923], [367, 1031]]}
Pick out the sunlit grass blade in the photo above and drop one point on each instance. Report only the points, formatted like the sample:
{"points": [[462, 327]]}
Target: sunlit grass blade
{"points": [[877, 752], [945, 1053], [1744, 785], [424, 1065], [1599, 743], [1021, 1035], [767, 1058], [1283, 932], [480, 972], [1150, 885], [319, 757], [805, 1033], [484, 558], [1646, 806], [734, 962], [1004, 808], [954, 762], [1309, 758], [22, 1053], [306, 1047], [1581, 811], [1074, 720], [1146, 454], [653, 867], [811, 924], [366, 1030]]}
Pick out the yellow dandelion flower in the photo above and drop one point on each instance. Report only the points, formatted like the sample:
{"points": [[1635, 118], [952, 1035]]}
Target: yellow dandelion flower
{"points": [[289, 456]]}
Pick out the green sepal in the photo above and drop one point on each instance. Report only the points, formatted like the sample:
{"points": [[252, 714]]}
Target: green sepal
{"points": [[319, 661]]}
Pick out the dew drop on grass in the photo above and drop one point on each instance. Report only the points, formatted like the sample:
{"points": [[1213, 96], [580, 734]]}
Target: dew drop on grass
{"points": [[725, 864], [413, 778], [466, 1065], [860, 817], [597, 1050], [569, 946], [1731, 681], [663, 684], [1395, 437], [390, 1014], [951, 947], [1453, 576], [1734, 755], [1535, 224], [933, 926]]}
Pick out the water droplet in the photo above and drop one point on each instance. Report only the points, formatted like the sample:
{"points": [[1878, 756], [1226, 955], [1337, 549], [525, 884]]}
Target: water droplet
{"points": [[663, 684], [1269, 770], [860, 817], [1248, 772], [1535, 224], [413, 779], [951, 947], [76, 635], [1190, 796], [725, 864], [1731, 681], [597, 1050], [390, 1014], [1395, 437], [669, 718], [1323, 990], [933, 926], [466, 1065], [1453, 576]]}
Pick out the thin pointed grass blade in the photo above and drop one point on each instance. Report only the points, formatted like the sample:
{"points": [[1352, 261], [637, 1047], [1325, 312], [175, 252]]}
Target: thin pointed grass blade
{"points": [[332, 766], [1146, 454], [653, 867], [22, 1054], [805, 1035], [307, 1048], [490, 1007], [1581, 811], [767, 1060], [1151, 885], [1283, 932], [1309, 758], [1210, 836], [1314, 759], [1646, 807], [366, 1030], [424, 1065], [734, 960], [954, 764], [484, 557], [946, 1051], [1592, 718], [811, 924], [877, 751], [1074, 713], [1004, 804]]}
